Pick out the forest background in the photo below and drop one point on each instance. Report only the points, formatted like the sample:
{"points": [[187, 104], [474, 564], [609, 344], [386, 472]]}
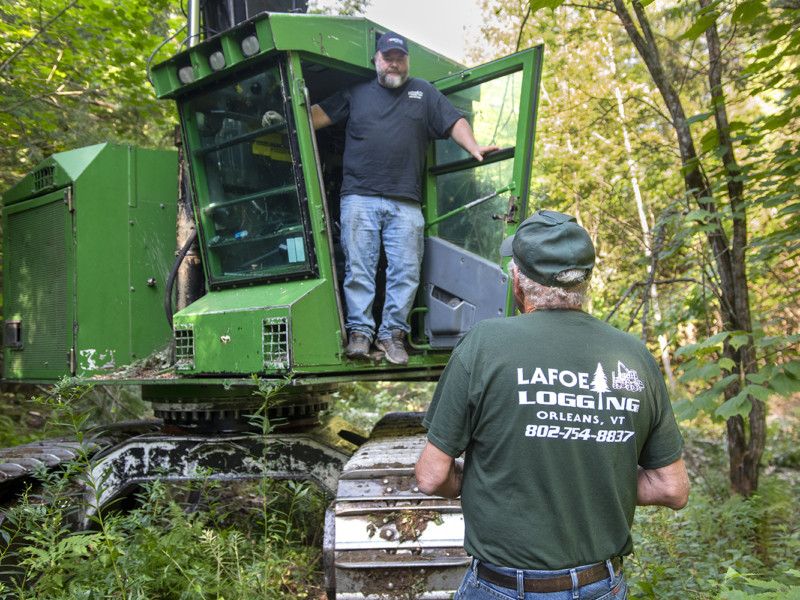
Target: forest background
{"points": [[670, 129]]}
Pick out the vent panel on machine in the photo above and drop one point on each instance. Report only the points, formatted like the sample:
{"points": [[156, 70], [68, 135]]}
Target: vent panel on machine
{"points": [[37, 262], [184, 346], [275, 343], [44, 178]]}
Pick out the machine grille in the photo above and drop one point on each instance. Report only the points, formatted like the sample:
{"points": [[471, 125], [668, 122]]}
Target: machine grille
{"points": [[44, 178], [184, 347], [275, 343], [37, 262]]}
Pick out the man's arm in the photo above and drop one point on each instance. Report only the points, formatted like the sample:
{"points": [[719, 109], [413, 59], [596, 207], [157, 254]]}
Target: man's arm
{"points": [[462, 134], [438, 473], [319, 118], [666, 486]]}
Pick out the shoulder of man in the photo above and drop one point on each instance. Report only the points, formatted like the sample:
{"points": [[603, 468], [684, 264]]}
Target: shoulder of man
{"points": [[487, 329]]}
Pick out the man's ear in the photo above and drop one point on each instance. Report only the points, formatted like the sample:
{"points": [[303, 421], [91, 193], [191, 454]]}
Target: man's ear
{"points": [[516, 290]]}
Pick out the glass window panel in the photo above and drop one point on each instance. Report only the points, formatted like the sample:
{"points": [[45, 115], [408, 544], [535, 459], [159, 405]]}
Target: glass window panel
{"points": [[475, 229], [249, 202], [492, 108]]}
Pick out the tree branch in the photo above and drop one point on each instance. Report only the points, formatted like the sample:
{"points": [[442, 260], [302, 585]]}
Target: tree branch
{"points": [[31, 39]]}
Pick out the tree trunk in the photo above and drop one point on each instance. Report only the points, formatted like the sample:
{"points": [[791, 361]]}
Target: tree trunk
{"points": [[744, 455]]}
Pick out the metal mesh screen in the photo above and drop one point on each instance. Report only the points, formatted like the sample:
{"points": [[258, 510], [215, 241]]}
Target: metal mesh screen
{"points": [[184, 346], [275, 343], [35, 280], [44, 178]]}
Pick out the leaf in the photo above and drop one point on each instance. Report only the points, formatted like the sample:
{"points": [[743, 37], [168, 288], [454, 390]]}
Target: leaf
{"points": [[697, 215], [539, 4], [778, 31], [700, 26], [706, 401], [710, 140], [756, 378], [746, 12], [738, 341], [684, 410], [757, 391], [698, 118], [739, 405], [793, 367], [727, 363], [767, 51], [687, 350], [777, 121], [710, 371], [784, 385]]}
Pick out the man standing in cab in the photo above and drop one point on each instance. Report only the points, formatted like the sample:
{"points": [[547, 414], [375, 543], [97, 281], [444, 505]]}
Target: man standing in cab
{"points": [[390, 120]]}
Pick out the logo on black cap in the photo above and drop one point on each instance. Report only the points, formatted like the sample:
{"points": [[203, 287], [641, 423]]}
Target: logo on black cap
{"points": [[392, 41]]}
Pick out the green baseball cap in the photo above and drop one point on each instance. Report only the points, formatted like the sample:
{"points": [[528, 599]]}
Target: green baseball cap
{"points": [[547, 243]]}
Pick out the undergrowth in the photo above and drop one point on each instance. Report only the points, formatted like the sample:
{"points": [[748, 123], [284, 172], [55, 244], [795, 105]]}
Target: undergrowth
{"points": [[215, 540], [721, 546], [201, 540]]}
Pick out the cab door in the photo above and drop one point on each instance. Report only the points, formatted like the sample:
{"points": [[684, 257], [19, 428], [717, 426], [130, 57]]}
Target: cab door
{"points": [[471, 206]]}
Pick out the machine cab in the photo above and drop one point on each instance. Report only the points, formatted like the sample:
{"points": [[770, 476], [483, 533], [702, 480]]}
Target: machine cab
{"points": [[265, 191]]}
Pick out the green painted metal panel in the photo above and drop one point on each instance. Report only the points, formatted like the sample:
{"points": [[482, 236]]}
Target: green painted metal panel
{"points": [[231, 328], [89, 263], [55, 172], [345, 40], [351, 40], [38, 298]]}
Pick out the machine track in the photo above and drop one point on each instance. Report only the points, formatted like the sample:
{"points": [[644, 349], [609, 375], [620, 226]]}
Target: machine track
{"points": [[384, 539]]}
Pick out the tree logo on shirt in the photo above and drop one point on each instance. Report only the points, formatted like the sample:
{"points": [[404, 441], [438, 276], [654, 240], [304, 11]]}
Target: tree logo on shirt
{"points": [[600, 383]]}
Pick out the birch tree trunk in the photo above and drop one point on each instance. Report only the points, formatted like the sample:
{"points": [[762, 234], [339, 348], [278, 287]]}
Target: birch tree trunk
{"points": [[647, 237]]}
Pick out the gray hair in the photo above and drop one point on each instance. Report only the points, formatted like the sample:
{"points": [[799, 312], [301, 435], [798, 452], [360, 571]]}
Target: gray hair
{"points": [[541, 296]]}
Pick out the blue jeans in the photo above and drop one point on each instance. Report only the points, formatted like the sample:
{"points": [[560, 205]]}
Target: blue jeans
{"points": [[472, 588], [366, 221]]}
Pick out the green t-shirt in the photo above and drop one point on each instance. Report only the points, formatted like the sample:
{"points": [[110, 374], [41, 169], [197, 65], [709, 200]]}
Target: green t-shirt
{"points": [[554, 409]]}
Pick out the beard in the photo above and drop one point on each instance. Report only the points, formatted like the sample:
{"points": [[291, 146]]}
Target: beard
{"points": [[391, 80]]}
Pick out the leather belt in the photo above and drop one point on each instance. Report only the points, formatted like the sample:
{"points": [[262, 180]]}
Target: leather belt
{"points": [[547, 585]]}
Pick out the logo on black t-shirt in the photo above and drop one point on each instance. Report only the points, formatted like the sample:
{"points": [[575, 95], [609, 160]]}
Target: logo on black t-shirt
{"points": [[415, 94]]}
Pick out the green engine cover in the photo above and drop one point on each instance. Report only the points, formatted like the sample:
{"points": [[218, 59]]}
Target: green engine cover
{"points": [[89, 240]]}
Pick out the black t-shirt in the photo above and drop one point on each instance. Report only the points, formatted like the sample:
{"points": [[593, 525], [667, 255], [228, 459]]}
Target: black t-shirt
{"points": [[387, 135]]}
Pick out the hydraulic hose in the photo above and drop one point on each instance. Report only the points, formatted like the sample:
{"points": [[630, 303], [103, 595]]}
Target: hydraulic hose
{"points": [[174, 273]]}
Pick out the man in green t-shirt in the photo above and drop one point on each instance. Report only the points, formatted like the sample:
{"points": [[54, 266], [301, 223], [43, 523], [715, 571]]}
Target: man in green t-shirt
{"points": [[566, 424]]}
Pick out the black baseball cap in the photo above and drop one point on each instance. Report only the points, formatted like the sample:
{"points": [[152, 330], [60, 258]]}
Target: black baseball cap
{"points": [[547, 243], [392, 41]]}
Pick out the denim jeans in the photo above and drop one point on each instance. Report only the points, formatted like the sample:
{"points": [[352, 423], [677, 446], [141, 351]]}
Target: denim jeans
{"points": [[472, 588], [367, 221]]}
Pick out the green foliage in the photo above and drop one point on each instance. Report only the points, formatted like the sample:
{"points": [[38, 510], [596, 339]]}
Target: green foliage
{"points": [[705, 363], [364, 403], [198, 540], [699, 551], [730, 589], [74, 73], [341, 7]]}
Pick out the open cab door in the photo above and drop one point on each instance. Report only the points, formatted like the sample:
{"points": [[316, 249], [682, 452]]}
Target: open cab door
{"points": [[472, 206]]}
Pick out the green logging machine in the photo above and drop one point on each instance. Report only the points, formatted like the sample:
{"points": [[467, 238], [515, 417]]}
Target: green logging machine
{"points": [[187, 272]]}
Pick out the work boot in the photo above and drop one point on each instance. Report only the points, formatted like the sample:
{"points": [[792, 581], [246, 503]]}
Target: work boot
{"points": [[394, 349], [357, 345]]}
